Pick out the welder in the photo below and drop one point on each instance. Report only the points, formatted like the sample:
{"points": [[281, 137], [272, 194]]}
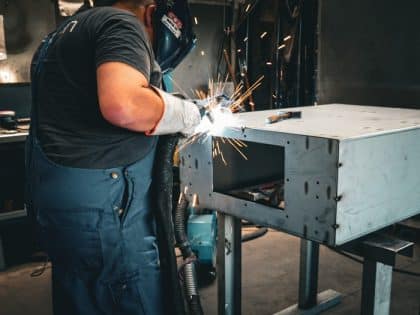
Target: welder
{"points": [[96, 116]]}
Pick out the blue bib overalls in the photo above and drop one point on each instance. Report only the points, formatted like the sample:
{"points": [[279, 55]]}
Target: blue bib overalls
{"points": [[98, 228]]}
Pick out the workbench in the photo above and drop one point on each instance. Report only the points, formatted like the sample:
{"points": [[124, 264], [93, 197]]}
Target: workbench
{"points": [[342, 172]]}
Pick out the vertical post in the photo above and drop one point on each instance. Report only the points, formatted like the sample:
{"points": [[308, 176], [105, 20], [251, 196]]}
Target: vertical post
{"points": [[229, 267], [235, 15], [308, 276], [220, 263], [2, 260], [278, 64], [376, 288]]}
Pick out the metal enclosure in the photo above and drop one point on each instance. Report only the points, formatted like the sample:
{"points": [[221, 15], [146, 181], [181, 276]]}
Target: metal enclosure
{"points": [[347, 170]]}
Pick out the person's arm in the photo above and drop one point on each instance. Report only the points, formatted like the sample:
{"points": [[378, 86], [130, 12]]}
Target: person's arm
{"points": [[125, 98], [127, 101]]}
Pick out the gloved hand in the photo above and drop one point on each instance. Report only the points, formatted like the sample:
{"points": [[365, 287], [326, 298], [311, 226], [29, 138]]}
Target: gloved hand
{"points": [[179, 116], [208, 105]]}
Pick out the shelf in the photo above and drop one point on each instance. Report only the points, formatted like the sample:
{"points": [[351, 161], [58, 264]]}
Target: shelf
{"points": [[13, 215]]}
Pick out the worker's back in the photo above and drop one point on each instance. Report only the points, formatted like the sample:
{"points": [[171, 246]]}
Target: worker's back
{"points": [[72, 130]]}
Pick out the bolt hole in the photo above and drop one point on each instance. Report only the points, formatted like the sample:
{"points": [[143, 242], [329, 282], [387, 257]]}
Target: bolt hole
{"points": [[287, 180], [329, 192], [190, 184], [288, 142], [330, 146], [317, 182], [189, 156], [316, 232], [316, 218], [306, 188], [317, 197]]}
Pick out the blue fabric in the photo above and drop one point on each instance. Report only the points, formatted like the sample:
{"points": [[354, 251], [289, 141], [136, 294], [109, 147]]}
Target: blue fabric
{"points": [[103, 262]]}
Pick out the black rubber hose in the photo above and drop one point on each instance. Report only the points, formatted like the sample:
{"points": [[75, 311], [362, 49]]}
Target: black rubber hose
{"points": [[253, 235], [180, 230], [189, 271], [162, 197], [163, 191]]}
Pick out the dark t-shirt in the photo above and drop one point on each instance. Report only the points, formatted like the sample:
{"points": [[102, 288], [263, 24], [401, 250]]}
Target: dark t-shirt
{"points": [[71, 129]]}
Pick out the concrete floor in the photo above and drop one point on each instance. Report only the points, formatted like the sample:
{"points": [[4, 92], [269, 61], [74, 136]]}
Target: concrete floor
{"points": [[270, 278]]}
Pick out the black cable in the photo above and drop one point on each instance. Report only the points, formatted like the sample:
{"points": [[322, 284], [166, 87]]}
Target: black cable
{"points": [[360, 261], [39, 271], [254, 235]]}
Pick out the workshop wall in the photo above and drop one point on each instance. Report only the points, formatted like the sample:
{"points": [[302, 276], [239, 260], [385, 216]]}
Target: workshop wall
{"points": [[194, 72], [26, 22], [368, 52]]}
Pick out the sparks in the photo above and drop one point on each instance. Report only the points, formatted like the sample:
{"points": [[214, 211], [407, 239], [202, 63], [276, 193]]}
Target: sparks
{"points": [[195, 20], [281, 46], [263, 35], [287, 38], [248, 7], [222, 111]]}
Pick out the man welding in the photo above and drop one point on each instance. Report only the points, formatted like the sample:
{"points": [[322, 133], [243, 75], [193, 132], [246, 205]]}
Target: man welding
{"points": [[97, 110]]}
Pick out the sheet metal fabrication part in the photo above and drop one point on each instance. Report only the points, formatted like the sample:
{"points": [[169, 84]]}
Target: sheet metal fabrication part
{"points": [[348, 170]]}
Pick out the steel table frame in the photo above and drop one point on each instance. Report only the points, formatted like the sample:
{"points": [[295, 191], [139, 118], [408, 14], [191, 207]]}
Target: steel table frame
{"points": [[348, 171]]}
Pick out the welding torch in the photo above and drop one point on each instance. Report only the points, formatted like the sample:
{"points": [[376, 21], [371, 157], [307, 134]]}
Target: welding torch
{"points": [[206, 106]]}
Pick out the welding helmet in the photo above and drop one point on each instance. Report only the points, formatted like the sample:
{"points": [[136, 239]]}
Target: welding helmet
{"points": [[174, 36]]}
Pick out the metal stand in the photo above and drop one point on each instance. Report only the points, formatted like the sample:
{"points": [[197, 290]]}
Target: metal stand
{"points": [[229, 268], [376, 288], [2, 260], [380, 253], [310, 302]]}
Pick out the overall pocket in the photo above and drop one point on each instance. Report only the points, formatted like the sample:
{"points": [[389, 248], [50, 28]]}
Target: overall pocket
{"points": [[71, 237], [127, 297]]}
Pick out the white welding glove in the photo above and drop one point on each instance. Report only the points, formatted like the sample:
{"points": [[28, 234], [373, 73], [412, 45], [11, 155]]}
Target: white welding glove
{"points": [[179, 115]]}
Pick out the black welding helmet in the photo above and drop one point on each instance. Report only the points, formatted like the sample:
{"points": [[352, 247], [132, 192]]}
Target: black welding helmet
{"points": [[174, 36]]}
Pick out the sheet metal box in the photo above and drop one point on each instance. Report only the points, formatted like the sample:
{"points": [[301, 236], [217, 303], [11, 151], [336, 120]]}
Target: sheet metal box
{"points": [[348, 170]]}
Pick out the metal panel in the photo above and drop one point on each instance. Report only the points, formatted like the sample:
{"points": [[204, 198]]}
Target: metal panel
{"points": [[310, 183], [336, 121], [379, 183]]}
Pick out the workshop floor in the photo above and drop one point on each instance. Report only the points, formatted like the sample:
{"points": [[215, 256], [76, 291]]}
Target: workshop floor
{"points": [[270, 275]]}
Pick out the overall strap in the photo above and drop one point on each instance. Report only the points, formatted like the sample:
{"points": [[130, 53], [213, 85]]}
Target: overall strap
{"points": [[39, 60]]}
